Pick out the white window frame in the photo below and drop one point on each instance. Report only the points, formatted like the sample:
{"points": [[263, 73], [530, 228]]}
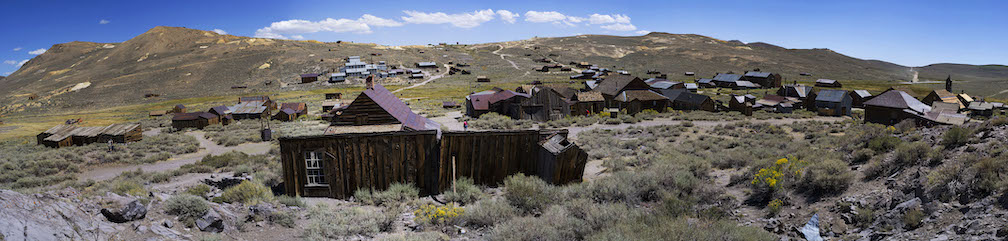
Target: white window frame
{"points": [[314, 174]]}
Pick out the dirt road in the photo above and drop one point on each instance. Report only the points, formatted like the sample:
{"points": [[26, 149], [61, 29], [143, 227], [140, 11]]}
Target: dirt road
{"points": [[502, 57], [207, 147], [432, 78]]}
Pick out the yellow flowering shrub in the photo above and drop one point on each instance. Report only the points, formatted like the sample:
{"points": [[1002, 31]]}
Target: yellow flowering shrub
{"points": [[433, 214], [775, 206], [772, 176]]}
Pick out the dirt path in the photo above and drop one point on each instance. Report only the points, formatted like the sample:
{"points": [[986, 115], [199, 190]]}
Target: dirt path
{"points": [[432, 78], [508, 60], [207, 147], [450, 120]]}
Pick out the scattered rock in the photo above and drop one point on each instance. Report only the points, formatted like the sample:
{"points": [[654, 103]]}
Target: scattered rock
{"points": [[811, 229], [261, 211], [133, 211], [210, 222], [167, 223]]}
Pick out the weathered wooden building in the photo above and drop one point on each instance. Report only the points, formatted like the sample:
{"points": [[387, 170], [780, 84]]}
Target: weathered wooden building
{"points": [[67, 135], [497, 100], [634, 101], [545, 104], [291, 111], [894, 106], [179, 108], [612, 86], [685, 100], [337, 165], [763, 79], [943, 96], [858, 97], [223, 114], [308, 78], [830, 102], [828, 83], [377, 106], [196, 120], [588, 102]]}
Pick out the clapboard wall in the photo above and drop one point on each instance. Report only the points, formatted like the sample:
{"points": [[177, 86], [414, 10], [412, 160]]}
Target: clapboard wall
{"points": [[377, 160]]}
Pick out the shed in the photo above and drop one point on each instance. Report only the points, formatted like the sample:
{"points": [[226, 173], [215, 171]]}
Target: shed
{"points": [[57, 136], [894, 106], [179, 108], [830, 102], [944, 96], [223, 114], [828, 83], [554, 164], [250, 110], [705, 83], [121, 133], [685, 100], [763, 79], [545, 104], [158, 113], [196, 120], [739, 103], [308, 78], [588, 102], [858, 97], [450, 104], [426, 65], [337, 77], [482, 79], [985, 109]]}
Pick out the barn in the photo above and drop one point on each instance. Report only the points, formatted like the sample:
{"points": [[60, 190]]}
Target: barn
{"points": [[291, 111], [377, 106], [828, 83], [196, 120]]}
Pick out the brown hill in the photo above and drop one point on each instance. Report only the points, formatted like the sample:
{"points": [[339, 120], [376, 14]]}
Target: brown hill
{"points": [[176, 62]]}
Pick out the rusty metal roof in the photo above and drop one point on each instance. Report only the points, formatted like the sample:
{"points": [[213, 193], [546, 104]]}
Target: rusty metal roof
{"points": [[249, 107], [395, 107]]}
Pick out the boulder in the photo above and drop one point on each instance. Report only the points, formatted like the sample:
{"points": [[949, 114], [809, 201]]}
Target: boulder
{"points": [[210, 222], [811, 229], [260, 212], [132, 211]]}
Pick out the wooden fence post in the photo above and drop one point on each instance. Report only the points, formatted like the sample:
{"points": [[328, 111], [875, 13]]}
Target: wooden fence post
{"points": [[453, 175]]}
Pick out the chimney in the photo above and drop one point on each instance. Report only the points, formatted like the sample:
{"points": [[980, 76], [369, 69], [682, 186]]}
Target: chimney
{"points": [[369, 83]]}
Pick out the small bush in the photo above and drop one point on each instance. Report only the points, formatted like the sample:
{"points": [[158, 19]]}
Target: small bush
{"points": [[528, 193], [913, 218], [438, 215], [774, 207], [883, 144], [291, 201], [862, 156], [248, 192], [396, 193], [285, 219], [198, 190], [488, 212], [910, 154], [826, 177], [329, 224], [666, 228], [956, 137], [555, 224], [129, 187], [465, 192], [187, 207]]}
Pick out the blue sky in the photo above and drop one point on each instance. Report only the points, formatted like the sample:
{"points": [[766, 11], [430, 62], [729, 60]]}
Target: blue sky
{"points": [[910, 33]]}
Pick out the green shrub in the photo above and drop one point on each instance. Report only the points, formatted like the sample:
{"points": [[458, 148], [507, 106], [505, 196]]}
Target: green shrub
{"points": [[198, 190], [465, 192], [328, 224], [666, 228], [956, 137], [396, 193], [291, 201], [862, 156], [129, 187], [161, 177], [914, 153], [285, 219], [874, 169], [913, 218], [529, 193], [414, 236], [488, 212], [187, 207], [554, 224], [883, 144], [827, 177], [247, 192], [864, 217]]}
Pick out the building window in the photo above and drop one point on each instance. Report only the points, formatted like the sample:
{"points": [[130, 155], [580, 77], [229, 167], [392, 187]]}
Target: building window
{"points": [[313, 169]]}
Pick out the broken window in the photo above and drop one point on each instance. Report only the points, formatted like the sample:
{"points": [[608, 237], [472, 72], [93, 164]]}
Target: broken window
{"points": [[313, 168]]}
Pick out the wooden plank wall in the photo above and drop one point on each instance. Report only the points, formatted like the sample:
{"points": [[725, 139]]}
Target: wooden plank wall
{"points": [[487, 157]]}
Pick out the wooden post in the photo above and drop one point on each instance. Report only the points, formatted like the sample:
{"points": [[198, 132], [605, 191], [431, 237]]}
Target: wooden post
{"points": [[453, 175]]}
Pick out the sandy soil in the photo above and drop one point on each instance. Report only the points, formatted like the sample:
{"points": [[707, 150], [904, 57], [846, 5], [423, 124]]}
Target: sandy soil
{"points": [[207, 147]]}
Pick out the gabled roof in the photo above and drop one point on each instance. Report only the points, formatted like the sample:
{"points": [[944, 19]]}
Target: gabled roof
{"points": [[193, 116], [704, 81], [566, 92], [727, 77], [831, 95], [976, 105], [399, 110], [297, 107], [861, 93], [944, 106], [288, 111], [642, 95], [589, 96], [941, 93], [672, 94], [691, 86], [612, 85], [180, 106], [747, 84], [692, 98], [222, 110], [758, 74], [309, 75], [899, 100], [825, 81], [965, 97], [483, 99], [664, 84], [801, 90], [119, 129]]}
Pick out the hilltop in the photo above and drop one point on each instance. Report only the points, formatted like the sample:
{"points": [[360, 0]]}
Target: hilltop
{"points": [[175, 62]]}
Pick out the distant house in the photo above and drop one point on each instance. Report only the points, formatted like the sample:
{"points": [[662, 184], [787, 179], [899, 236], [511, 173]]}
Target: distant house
{"points": [[634, 101], [337, 77], [545, 104], [706, 83], [690, 74], [776, 103], [482, 79], [744, 85], [67, 135], [223, 114], [497, 100], [685, 100], [416, 76], [589, 85], [331, 96], [308, 78], [726, 80], [828, 83], [612, 86], [691, 87], [984, 109], [741, 104], [426, 65], [588, 102], [450, 105], [858, 97], [197, 120], [377, 106], [291, 111], [894, 106], [265, 100], [250, 110], [665, 84], [763, 79], [806, 95], [943, 96], [329, 105], [157, 113], [831, 102], [179, 108]]}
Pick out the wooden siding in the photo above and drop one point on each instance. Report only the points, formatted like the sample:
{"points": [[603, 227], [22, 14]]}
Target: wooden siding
{"points": [[376, 160], [364, 111], [545, 105]]}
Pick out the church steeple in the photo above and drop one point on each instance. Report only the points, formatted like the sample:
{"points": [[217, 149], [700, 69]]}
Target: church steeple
{"points": [[948, 83]]}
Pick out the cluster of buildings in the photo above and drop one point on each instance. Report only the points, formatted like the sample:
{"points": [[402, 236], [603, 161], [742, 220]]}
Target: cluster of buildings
{"points": [[75, 135], [749, 80], [939, 107], [353, 67], [249, 107]]}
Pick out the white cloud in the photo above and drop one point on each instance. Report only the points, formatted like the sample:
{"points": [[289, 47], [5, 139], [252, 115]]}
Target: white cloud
{"points": [[643, 32], [37, 52], [15, 62], [7, 73], [371, 20], [10, 62], [19, 64], [298, 37], [461, 20], [507, 16], [17, 49], [607, 19], [219, 31], [104, 21], [620, 27], [544, 17]]}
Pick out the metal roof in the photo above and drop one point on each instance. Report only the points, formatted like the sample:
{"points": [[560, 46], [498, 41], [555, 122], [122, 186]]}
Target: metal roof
{"points": [[704, 81], [758, 74], [831, 95], [249, 107], [309, 75], [862, 93], [727, 77], [395, 107], [825, 81], [691, 86], [643, 95], [899, 100], [664, 84]]}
